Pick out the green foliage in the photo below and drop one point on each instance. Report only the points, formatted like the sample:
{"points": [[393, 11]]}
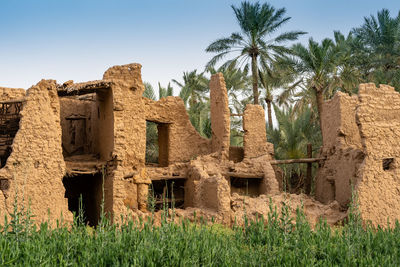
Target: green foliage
{"points": [[253, 46], [377, 48], [282, 239], [193, 92], [290, 140]]}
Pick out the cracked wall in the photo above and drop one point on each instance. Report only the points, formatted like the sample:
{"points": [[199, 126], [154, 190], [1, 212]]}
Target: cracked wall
{"points": [[106, 120], [378, 117], [36, 166], [364, 130]]}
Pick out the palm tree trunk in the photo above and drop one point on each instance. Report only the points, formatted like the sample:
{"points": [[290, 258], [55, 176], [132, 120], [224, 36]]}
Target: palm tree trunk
{"points": [[269, 112], [320, 101], [254, 71]]}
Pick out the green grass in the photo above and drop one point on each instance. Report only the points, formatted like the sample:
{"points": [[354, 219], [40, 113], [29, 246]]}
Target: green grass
{"points": [[282, 241]]}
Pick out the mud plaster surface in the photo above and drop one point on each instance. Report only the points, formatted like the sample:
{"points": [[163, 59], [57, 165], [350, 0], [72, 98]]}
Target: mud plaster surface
{"points": [[364, 130], [36, 166], [361, 133]]}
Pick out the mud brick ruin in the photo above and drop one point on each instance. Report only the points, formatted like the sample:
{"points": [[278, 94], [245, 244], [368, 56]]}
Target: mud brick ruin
{"points": [[60, 142]]}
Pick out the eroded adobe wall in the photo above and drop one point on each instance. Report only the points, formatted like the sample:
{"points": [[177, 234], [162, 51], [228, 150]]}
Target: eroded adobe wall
{"points": [[378, 116], [220, 116], [129, 138], [184, 142], [36, 166], [255, 137], [7, 94], [342, 148]]}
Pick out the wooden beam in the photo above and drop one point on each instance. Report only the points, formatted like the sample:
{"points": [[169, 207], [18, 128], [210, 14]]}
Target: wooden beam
{"points": [[244, 175], [75, 172], [290, 161], [158, 178]]}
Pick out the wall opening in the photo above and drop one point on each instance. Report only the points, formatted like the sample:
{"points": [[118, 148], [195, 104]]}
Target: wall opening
{"points": [[87, 123], [387, 164], [88, 188], [77, 131], [167, 193], [9, 126], [4, 184], [76, 125], [246, 186], [236, 153], [157, 139]]}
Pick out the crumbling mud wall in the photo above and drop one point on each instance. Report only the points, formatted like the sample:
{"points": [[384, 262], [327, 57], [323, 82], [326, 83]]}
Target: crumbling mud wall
{"points": [[214, 178], [361, 146], [343, 149], [101, 128], [128, 146], [183, 141], [255, 137], [220, 119], [35, 168], [7, 94], [378, 190]]}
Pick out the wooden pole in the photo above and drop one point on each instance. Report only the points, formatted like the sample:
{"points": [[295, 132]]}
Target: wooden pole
{"points": [[289, 161], [307, 182]]}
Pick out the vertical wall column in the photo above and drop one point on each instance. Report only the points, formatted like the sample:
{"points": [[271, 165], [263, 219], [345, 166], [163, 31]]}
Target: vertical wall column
{"points": [[220, 116], [255, 136]]}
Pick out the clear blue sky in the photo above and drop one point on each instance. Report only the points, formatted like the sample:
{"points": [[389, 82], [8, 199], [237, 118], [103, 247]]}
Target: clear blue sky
{"points": [[80, 39]]}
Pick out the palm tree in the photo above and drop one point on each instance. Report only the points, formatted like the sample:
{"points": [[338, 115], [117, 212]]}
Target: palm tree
{"points": [[295, 130], [378, 48], [348, 75], [317, 64], [278, 76], [193, 88], [165, 91], [257, 22], [193, 93]]}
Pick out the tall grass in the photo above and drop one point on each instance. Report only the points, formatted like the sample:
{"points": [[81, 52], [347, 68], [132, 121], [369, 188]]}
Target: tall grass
{"points": [[281, 241]]}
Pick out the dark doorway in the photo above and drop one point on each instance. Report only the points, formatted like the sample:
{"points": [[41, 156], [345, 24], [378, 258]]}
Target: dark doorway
{"points": [[246, 186], [85, 191], [77, 134], [9, 126], [167, 193]]}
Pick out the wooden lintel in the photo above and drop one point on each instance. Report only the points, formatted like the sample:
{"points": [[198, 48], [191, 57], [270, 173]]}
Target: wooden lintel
{"points": [[75, 172], [244, 175], [158, 178], [289, 161]]}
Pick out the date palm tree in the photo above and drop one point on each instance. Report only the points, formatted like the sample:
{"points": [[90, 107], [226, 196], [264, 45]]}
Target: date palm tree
{"points": [[378, 48], [193, 93], [317, 64], [193, 88], [254, 46], [278, 76], [295, 130]]}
